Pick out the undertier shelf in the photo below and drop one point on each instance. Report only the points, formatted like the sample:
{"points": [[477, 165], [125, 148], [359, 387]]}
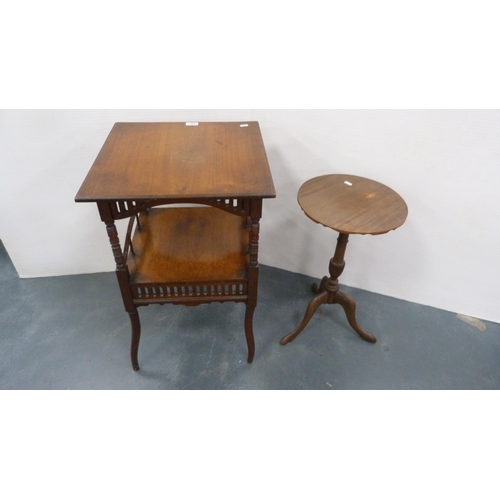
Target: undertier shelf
{"points": [[193, 251]]}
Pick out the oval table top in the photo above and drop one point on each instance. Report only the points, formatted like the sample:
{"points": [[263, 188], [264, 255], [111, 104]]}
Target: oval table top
{"points": [[352, 205]]}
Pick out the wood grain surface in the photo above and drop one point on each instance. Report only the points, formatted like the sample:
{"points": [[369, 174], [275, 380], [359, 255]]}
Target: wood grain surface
{"points": [[189, 244], [176, 160], [351, 204]]}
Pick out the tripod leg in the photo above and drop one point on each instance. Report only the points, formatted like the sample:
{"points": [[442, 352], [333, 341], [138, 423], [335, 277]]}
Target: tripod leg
{"points": [[322, 298], [349, 306], [321, 287]]}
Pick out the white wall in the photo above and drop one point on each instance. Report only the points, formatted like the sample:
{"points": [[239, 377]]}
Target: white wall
{"points": [[444, 163]]}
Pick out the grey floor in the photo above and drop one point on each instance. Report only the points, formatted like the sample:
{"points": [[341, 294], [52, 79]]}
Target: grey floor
{"points": [[71, 332]]}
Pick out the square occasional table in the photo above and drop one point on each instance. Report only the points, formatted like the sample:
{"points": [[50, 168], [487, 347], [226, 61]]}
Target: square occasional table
{"points": [[193, 195]]}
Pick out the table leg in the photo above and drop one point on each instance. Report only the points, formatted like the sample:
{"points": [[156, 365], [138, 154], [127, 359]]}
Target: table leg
{"points": [[249, 332], [253, 274], [311, 309], [136, 336], [329, 293], [124, 284]]}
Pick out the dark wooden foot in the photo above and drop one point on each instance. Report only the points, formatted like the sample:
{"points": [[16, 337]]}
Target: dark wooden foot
{"points": [[136, 336], [321, 287], [349, 306], [311, 309], [249, 332]]}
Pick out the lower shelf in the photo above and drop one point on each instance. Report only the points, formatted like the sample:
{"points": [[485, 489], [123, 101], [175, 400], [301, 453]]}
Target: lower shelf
{"points": [[186, 255]]}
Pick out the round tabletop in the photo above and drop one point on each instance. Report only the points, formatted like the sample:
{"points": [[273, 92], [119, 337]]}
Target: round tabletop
{"points": [[351, 204]]}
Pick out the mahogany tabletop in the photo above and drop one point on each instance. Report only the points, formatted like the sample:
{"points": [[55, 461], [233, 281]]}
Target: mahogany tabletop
{"points": [[179, 161], [352, 205]]}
